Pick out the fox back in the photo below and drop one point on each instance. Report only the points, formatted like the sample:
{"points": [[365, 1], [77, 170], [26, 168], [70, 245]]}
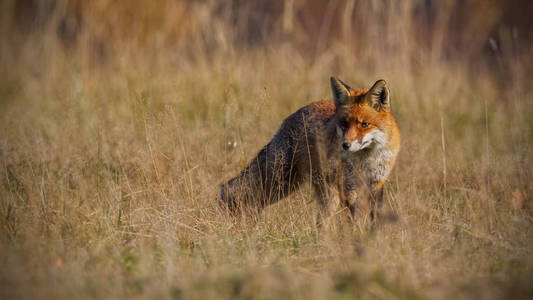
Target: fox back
{"points": [[346, 146]]}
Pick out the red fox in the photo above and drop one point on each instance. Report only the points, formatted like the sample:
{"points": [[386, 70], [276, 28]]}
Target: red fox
{"points": [[345, 148]]}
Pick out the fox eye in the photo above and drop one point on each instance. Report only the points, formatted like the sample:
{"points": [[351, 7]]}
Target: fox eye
{"points": [[364, 124], [344, 124]]}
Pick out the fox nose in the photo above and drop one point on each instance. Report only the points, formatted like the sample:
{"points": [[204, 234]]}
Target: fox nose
{"points": [[346, 145]]}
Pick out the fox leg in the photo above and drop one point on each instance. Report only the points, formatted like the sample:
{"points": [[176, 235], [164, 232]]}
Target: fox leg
{"points": [[350, 200], [328, 201], [348, 187], [376, 201]]}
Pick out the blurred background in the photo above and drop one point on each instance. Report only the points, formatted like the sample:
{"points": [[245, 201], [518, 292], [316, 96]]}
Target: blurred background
{"points": [[485, 36]]}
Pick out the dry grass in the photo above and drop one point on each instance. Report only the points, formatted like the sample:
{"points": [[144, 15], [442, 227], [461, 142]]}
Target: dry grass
{"points": [[110, 162]]}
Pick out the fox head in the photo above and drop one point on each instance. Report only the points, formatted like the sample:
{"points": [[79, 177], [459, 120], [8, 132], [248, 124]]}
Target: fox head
{"points": [[362, 117]]}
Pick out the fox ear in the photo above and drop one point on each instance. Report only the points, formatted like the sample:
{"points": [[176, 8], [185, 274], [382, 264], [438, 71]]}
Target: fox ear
{"points": [[340, 90], [379, 96]]}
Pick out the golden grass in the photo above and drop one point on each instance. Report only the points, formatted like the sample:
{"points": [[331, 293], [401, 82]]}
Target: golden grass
{"points": [[110, 169]]}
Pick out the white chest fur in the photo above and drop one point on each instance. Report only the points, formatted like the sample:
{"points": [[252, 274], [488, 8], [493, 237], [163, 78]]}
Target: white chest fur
{"points": [[369, 165]]}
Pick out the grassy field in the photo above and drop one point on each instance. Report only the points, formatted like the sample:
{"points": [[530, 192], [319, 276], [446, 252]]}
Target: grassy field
{"points": [[112, 152]]}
